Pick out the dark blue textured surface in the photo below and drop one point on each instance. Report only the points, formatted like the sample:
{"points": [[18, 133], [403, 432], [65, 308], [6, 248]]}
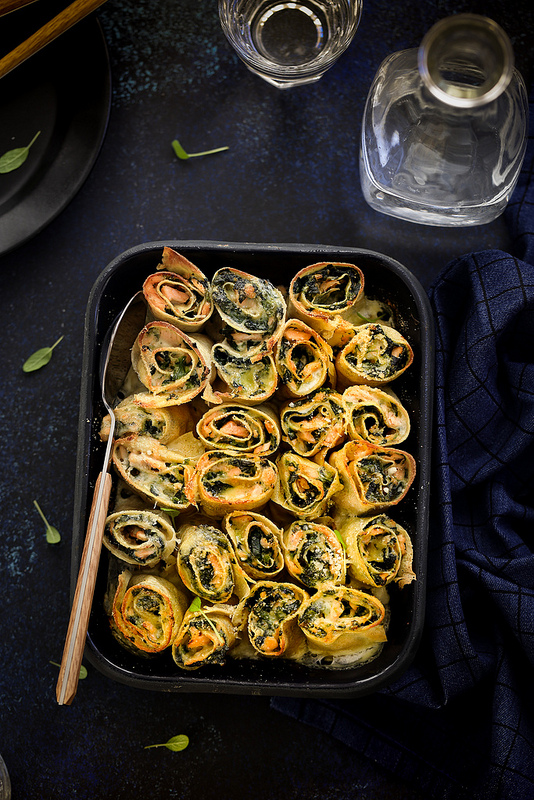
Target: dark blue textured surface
{"points": [[290, 175]]}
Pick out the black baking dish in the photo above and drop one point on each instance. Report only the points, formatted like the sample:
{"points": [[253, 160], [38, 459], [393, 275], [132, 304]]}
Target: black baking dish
{"points": [[385, 279]]}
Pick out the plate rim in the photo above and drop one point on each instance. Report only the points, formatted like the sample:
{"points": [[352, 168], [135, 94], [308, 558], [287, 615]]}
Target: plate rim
{"points": [[15, 216]]}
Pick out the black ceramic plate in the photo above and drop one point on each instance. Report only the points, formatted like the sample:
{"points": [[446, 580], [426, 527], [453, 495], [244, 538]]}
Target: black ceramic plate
{"points": [[386, 279], [64, 92]]}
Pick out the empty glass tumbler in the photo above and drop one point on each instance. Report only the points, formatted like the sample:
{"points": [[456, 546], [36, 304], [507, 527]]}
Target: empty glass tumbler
{"points": [[289, 43], [445, 126]]}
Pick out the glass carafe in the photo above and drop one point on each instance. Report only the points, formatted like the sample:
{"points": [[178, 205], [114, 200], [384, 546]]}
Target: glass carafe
{"points": [[445, 126]]}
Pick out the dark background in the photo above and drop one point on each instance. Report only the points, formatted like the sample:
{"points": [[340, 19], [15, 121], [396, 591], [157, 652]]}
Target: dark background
{"points": [[290, 175]]}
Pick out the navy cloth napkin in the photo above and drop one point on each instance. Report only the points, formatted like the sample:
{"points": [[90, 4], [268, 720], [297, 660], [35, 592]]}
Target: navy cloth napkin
{"points": [[460, 721]]}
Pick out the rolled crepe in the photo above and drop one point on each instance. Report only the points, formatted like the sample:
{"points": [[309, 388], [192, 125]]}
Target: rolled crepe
{"points": [[205, 637], [141, 537], [373, 478], [241, 379], [248, 305], [375, 415], [376, 354], [162, 424], [304, 361], [323, 294], [313, 554], [224, 482], [240, 429], [379, 551], [179, 292], [153, 470], [305, 488], [257, 543], [341, 620], [312, 426], [269, 614], [173, 366], [207, 564], [147, 611]]}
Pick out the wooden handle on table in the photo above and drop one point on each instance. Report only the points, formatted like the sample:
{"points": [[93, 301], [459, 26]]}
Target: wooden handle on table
{"points": [[50, 31], [69, 672]]}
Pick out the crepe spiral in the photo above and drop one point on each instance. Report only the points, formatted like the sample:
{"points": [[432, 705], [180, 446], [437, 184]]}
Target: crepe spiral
{"points": [[305, 488], [147, 611], [153, 470], [270, 611], [373, 478], [179, 292], [379, 551], [375, 355], [375, 415], [175, 367], [141, 537], [314, 425], [207, 564], [223, 482], [205, 637], [340, 620], [313, 554], [240, 429]]}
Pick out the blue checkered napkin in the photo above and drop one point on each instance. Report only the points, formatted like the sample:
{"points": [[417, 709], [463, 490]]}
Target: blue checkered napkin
{"points": [[460, 721]]}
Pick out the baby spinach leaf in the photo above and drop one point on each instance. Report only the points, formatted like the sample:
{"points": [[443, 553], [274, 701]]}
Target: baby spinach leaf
{"points": [[40, 358], [15, 158], [175, 743], [181, 153], [195, 605], [52, 534]]}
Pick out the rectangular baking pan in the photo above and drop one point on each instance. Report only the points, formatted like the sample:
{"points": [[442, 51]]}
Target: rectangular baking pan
{"points": [[385, 279]]}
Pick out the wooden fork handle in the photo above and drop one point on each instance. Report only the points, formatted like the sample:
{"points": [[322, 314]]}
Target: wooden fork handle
{"points": [[69, 672], [50, 31]]}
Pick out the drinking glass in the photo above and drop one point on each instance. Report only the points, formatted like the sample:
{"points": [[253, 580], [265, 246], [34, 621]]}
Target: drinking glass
{"points": [[289, 43]]}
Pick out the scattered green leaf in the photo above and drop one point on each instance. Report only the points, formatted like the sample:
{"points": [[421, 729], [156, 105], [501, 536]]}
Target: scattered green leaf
{"points": [[181, 153], [196, 608], [172, 512], [39, 358], [52, 534], [83, 670], [15, 158], [175, 743], [340, 539], [195, 605], [362, 317]]}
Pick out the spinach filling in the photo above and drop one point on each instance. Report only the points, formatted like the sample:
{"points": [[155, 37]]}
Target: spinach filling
{"points": [[315, 558], [302, 497], [215, 486], [231, 291], [271, 609], [371, 420], [379, 356], [344, 290], [260, 553], [378, 485], [177, 367], [152, 429]]}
